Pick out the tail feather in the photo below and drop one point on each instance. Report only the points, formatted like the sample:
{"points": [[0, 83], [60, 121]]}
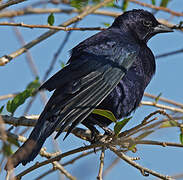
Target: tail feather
{"points": [[30, 149]]}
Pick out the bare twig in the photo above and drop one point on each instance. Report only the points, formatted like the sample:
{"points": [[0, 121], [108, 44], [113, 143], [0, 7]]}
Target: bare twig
{"points": [[57, 158], [2, 129], [169, 53], [51, 27], [163, 99], [157, 8], [10, 3], [145, 171], [55, 57], [138, 128], [67, 163], [79, 157], [111, 166], [62, 170], [7, 58], [29, 11], [164, 144], [29, 58], [99, 177], [7, 96], [162, 106], [45, 174]]}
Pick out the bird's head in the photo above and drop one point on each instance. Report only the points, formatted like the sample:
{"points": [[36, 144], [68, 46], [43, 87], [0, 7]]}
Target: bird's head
{"points": [[141, 23]]}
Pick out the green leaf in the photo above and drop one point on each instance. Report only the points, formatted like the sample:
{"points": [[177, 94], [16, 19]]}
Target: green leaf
{"points": [[164, 3], [133, 148], [62, 64], [110, 4], [1, 109], [170, 123], [34, 84], [7, 151], [51, 19], [157, 97], [119, 125], [106, 113], [106, 24], [181, 138], [79, 3], [18, 100], [153, 2], [125, 5], [13, 141]]}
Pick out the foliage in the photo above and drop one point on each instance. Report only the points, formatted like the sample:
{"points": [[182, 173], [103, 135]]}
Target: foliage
{"points": [[19, 99]]}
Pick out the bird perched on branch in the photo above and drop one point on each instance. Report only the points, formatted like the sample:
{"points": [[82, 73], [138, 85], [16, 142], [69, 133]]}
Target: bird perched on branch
{"points": [[107, 71]]}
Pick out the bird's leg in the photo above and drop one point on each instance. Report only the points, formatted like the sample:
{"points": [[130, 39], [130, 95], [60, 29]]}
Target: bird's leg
{"points": [[107, 131], [94, 132]]}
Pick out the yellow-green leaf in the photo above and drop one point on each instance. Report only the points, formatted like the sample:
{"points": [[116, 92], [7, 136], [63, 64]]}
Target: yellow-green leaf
{"points": [[34, 84], [153, 2], [106, 24], [1, 109], [170, 123], [119, 125], [133, 148], [13, 141], [106, 113], [18, 100], [164, 3], [157, 97], [6, 149], [181, 138], [125, 5]]}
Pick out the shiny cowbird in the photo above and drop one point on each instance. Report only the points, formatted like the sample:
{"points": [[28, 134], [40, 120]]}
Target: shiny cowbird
{"points": [[107, 71]]}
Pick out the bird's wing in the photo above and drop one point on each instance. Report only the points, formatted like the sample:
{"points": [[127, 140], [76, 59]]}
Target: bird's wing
{"points": [[81, 86]]}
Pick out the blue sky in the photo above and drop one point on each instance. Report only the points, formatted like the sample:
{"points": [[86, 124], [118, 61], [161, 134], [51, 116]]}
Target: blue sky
{"points": [[167, 80]]}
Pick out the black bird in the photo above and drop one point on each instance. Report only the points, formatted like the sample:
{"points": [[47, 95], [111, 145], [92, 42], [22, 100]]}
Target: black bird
{"points": [[109, 71]]}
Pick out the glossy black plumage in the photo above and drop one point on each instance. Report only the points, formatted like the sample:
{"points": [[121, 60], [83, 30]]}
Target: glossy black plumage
{"points": [[109, 70]]}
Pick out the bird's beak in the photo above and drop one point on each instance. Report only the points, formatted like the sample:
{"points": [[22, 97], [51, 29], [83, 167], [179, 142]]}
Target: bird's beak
{"points": [[161, 28]]}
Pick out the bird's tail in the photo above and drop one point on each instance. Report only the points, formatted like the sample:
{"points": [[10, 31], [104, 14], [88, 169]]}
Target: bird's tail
{"points": [[30, 149]]}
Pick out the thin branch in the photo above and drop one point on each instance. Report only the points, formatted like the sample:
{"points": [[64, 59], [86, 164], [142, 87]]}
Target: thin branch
{"points": [[45, 174], [7, 96], [99, 177], [10, 3], [31, 64], [142, 126], [157, 8], [29, 57], [21, 24], [162, 106], [80, 156], [163, 99], [58, 158], [55, 57], [111, 166], [145, 171], [29, 11], [7, 58], [2, 129], [59, 167], [169, 53], [164, 144]]}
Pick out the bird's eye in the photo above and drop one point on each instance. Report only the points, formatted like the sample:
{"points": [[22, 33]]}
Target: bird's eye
{"points": [[147, 23]]}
